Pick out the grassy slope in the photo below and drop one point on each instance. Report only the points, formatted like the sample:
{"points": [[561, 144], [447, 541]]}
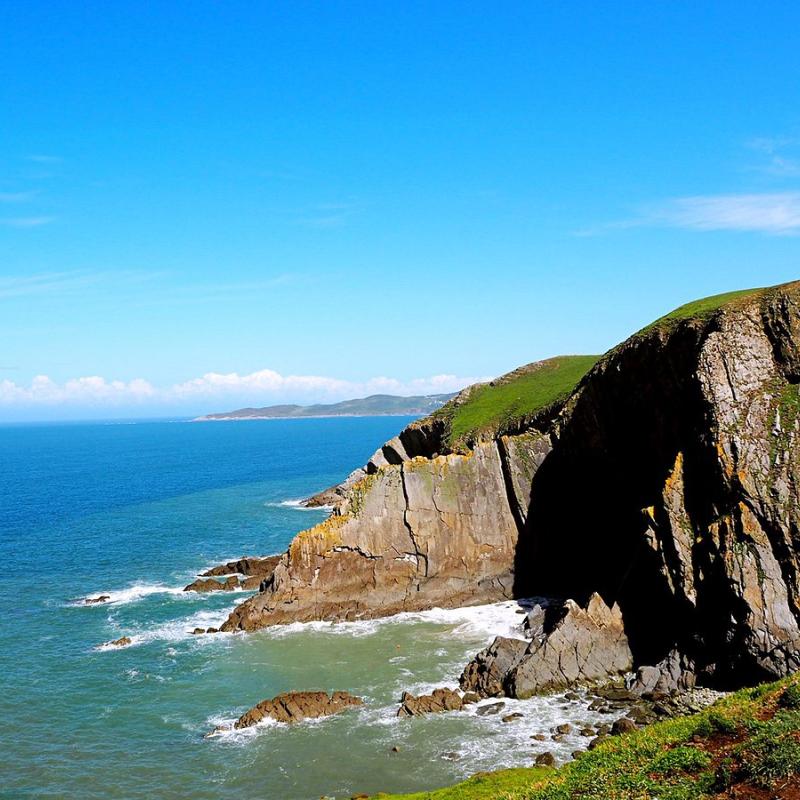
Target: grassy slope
{"points": [[745, 745], [699, 309], [493, 406]]}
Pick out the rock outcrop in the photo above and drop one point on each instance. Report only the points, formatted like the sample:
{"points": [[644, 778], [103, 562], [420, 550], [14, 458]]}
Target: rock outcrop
{"points": [[248, 566], [575, 646], [256, 571], [297, 706], [210, 585], [667, 483], [439, 700]]}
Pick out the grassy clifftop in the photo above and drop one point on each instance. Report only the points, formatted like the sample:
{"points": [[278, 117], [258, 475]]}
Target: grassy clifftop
{"points": [[746, 745], [491, 408]]}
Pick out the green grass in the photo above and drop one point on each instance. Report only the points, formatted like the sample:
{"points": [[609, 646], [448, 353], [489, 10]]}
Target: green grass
{"points": [[483, 786], [670, 760], [700, 309], [493, 408]]}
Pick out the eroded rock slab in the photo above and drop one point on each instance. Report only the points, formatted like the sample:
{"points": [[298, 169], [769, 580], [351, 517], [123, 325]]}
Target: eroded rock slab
{"points": [[248, 566], [297, 706], [439, 700]]}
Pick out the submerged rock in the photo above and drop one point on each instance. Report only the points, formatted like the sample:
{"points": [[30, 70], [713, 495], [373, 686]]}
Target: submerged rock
{"points": [[439, 700], [103, 598], [297, 706]]}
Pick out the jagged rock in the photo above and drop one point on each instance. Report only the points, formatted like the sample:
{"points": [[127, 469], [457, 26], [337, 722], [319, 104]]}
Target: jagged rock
{"points": [[439, 700], [675, 673], [123, 641], [297, 706], [103, 598], [248, 566], [534, 622], [577, 645], [486, 673], [210, 585]]}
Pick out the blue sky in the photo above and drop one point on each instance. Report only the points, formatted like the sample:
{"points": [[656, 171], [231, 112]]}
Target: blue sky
{"points": [[221, 203]]}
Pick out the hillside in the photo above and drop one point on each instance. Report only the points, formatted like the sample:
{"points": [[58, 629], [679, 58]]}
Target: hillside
{"points": [[375, 405], [511, 402]]}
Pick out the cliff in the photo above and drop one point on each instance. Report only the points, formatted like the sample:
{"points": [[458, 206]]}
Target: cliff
{"points": [[665, 481]]}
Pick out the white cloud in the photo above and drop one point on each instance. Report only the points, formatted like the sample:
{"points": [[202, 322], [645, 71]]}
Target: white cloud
{"points": [[775, 213], [256, 388]]}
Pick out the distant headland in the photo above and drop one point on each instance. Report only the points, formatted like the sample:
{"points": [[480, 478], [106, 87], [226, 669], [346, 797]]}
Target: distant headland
{"points": [[376, 405]]}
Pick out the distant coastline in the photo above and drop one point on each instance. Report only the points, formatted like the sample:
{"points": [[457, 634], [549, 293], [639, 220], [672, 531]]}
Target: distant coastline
{"points": [[376, 405]]}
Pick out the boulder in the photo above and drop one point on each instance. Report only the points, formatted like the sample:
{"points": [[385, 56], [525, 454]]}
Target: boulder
{"points": [[439, 700], [545, 760], [491, 708], [297, 706], [123, 641], [622, 726]]}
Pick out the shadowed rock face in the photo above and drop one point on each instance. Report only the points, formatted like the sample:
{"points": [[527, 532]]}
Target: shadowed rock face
{"points": [[678, 462], [668, 484]]}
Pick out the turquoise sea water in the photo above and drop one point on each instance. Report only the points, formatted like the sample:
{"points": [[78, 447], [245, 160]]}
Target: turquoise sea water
{"points": [[136, 511]]}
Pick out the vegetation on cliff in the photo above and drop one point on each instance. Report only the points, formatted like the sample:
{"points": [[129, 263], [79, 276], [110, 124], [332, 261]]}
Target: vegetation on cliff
{"points": [[511, 401], [745, 745]]}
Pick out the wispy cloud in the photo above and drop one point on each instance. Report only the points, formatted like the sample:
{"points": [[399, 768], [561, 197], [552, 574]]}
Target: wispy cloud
{"points": [[17, 197], [62, 283], [781, 154], [775, 213], [26, 222], [263, 386]]}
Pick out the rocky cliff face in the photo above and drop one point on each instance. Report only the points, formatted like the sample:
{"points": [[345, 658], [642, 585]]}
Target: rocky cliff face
{"points": [[407, 536], [673, 490], [667, 483]]}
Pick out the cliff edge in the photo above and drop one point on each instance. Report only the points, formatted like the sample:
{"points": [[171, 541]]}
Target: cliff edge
{"points": [[664, 478]]}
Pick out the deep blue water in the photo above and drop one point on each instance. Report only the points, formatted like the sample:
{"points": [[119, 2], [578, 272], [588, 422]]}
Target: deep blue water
{"points": [[136, 511]]}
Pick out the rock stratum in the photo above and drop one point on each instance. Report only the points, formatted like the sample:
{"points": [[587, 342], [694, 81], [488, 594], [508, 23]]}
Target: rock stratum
{"points": [[665, 482]]}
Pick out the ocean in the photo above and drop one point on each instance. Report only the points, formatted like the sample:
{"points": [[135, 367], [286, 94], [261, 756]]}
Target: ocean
{"points": [[136, 510]]}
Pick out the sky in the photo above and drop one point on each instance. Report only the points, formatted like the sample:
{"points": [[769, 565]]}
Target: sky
{"points": [[213, 204]]}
